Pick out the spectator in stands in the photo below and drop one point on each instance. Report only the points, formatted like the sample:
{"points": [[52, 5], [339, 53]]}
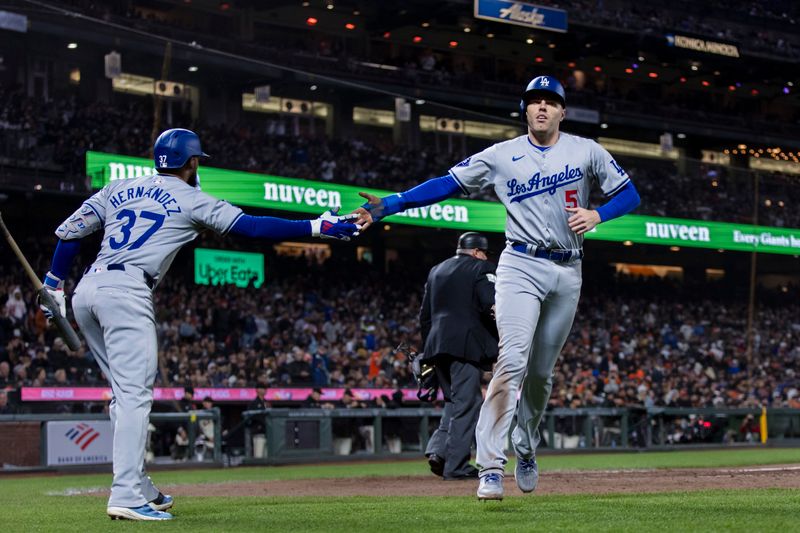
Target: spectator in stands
{"points": [[15, 306], [5, 374], [5, 407]]}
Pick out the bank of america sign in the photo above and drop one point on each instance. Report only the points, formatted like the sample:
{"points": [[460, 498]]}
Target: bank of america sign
{"points": [[522, 14]]}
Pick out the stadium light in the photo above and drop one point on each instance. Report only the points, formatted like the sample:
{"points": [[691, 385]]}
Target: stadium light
{"points": [[490, 35], [652, 74], [417, 39], [628, 70], [311, 21], [72, 46], [529, 40], [453, 44], [426, 24], [193, 68], [350, 26]]}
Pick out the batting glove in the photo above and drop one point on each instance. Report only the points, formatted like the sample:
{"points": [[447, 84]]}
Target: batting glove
{"points": [[55, 286], [330, 225]]}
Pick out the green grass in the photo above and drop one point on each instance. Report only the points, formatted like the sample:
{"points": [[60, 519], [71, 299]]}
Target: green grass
{"points": [[28, 503]]}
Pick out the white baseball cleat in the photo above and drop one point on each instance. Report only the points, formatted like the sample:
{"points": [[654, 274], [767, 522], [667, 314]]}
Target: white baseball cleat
{"points": [[526, 474], [145, 512], [491, 487]]}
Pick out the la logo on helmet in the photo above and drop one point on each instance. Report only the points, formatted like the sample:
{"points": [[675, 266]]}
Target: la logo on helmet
{"points": [[545, 82]]}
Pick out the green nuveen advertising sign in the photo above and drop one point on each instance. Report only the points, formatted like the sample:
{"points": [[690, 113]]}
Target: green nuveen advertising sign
{"points": [[221, 267], [314, 197]]}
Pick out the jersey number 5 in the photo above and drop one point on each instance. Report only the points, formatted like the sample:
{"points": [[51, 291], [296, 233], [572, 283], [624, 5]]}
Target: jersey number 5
{"points": [[130, 216], [571, 197]]}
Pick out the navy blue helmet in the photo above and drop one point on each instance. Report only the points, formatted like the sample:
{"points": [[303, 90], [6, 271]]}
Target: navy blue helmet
{"points": [[546, 86], [174, 147]]}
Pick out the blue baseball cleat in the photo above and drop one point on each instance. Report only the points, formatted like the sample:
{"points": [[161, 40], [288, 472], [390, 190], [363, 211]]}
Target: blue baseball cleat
{"points": [[145, 512], [491, 487], [163, 502], [526, 474]]}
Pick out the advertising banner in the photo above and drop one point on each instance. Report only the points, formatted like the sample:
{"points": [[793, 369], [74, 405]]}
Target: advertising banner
{"points": [[79, 442], [313, 197], [522, 14], [96, 394], [221, 267]]}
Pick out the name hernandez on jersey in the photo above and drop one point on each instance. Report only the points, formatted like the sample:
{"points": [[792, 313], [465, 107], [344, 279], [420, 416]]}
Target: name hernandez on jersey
{"points": [[537, 184], [147, 220]]}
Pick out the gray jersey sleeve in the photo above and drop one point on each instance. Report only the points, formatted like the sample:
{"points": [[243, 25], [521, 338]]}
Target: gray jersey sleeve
{"points": [[475, 172], [214, 214], [89, 218], [609, 174]]}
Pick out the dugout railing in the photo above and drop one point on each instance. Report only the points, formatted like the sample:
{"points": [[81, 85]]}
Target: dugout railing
{"points": [[275, 436], [27, 440]]}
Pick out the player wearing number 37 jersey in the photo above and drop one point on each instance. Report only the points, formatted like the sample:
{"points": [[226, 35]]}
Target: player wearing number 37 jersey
{"points": [[145, 222], [543, 179]]}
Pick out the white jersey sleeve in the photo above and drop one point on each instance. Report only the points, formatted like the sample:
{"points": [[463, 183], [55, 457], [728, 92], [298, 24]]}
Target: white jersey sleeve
{"points": [[87, 219], [477, 171], [214, 214], [609, 174]]}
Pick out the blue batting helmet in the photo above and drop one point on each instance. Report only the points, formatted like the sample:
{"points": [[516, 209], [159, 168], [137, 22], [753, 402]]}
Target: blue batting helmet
{"points": [[543, 86], [174, 147]]}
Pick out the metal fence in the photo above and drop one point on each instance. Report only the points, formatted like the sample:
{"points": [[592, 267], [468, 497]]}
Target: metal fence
{"points": [[284, 435]]}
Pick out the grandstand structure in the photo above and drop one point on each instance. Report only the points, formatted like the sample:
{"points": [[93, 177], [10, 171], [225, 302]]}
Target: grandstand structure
{"points": [[691, 302]]}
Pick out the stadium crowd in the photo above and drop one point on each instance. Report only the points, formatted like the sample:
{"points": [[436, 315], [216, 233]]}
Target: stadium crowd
{"points": [[334, 324], [28, 126], [417, 66]]}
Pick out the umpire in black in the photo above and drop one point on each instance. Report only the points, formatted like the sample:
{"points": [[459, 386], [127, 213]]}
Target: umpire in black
{"points": [[460, 339]]}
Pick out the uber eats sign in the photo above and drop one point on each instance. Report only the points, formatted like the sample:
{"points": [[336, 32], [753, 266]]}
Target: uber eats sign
{"points": [[221, 267], [314, 197]]}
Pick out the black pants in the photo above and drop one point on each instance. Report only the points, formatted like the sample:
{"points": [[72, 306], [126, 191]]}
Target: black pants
{"points": [[461, 385]]}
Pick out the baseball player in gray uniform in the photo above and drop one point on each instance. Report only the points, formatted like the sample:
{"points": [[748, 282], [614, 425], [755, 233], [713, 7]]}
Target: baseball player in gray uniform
{"points": [[543, 179], [145, 222]]}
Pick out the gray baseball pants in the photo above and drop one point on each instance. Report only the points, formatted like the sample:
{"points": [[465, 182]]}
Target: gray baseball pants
{"points": [[114, 310], [536, 302]]}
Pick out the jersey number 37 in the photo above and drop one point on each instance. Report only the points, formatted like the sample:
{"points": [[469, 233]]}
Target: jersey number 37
{"points": [[130, 220]]}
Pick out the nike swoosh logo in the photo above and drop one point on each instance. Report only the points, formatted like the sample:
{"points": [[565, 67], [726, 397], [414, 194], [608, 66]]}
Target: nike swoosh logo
{"points": [[517, 158]]}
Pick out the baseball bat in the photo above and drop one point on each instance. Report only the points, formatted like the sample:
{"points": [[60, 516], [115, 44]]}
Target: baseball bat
{"points": [[63, 325]]}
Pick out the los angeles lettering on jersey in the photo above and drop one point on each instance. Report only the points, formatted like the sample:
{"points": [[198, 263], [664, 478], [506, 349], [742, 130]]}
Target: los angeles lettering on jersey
{"points": [[155, 193], [539, 184]]}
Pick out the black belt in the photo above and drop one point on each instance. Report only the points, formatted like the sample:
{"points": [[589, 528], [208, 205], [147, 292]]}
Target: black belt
{"points": [[560, 256], [148, 279]]}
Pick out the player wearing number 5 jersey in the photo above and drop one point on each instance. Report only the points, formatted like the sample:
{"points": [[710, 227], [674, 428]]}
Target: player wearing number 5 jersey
{"points": [[543, 179], [145, 222]]}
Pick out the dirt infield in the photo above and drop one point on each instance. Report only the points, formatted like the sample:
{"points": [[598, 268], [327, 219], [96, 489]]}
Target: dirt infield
{"points": [[574, 482]]}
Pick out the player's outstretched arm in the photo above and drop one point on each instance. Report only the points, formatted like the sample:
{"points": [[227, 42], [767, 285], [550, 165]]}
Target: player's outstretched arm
{"points": [[329, 225], [622, 203], [429, 192]]}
